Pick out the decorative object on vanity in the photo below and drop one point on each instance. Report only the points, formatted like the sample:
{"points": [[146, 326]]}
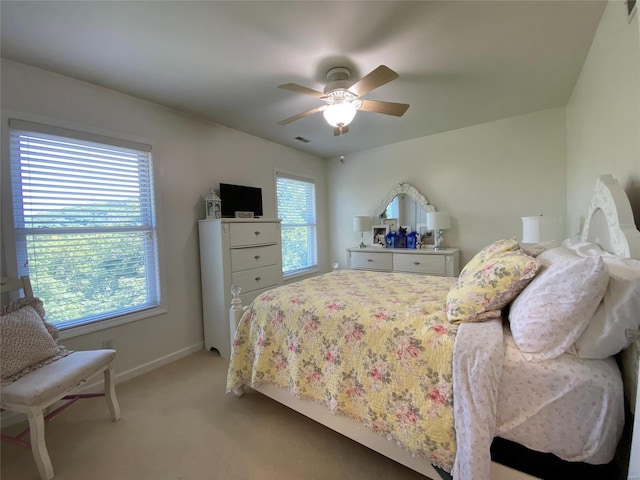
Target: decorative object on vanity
{"points": [[379, 234], [212, 206], [342, 97], [540, 229], [240, 198], [361, 224], [437, 222], [426, 237], [401, 239], [392, 223]]}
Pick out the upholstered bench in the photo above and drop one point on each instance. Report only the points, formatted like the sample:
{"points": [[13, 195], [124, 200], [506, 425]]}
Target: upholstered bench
{"points": [[33, 390]]}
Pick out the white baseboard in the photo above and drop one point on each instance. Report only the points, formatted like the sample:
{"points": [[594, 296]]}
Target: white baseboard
{"points": [[9, 418], [157, 363]]}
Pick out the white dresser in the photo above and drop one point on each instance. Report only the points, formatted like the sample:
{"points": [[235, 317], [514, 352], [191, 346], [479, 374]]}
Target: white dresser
{"points": [[241, 251], [445, 262]]}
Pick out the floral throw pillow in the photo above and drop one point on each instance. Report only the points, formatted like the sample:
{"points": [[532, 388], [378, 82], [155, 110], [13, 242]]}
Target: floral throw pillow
{"points": [[487, 288], [487, 252]]}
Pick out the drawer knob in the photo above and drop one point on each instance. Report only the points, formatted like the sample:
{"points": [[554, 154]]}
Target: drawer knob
{"points": [[369, 259], [258, 279], [416, 263], [256, 233], [257, 257]]}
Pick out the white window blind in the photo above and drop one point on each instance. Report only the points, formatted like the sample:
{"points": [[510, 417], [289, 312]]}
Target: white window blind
{"points": [[296, 198], [84, 220]]}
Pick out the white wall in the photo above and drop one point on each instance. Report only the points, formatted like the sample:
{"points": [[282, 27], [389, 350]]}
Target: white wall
{"points": [[603, 115], [603, 129], [487, 176], [190, 157]]}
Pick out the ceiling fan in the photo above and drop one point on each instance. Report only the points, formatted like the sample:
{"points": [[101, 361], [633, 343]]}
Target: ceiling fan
{"points": [[342, 97]]}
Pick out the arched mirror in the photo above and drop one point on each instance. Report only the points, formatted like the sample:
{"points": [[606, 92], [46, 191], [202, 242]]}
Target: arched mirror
{"points": [[406, 204]]}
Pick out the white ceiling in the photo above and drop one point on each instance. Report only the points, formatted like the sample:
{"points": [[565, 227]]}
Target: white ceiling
{"points": [[460, 62]]}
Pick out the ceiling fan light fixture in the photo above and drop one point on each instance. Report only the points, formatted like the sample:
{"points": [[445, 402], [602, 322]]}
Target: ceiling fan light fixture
{"points": [[340, 114]]}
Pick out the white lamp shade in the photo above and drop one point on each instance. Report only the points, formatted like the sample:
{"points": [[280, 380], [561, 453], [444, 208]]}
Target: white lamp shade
{"points": [[438, 221], [339, 114], [539, 229], [361, 224]]}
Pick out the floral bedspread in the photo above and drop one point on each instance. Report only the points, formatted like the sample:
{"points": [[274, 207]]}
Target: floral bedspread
{"points": [[375, 347]]}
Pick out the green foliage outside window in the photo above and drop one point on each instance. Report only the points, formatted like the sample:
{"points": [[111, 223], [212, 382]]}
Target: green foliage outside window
{"points": [[297, 209]]}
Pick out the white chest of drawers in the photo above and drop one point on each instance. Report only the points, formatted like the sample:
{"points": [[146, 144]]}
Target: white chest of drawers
{"points": [[241, 251], [445, 262]]}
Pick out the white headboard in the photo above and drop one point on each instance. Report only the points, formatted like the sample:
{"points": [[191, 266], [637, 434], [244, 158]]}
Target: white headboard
{"points": [[609, 221], [610, 224]]}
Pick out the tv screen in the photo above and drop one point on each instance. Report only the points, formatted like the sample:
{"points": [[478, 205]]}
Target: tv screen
{"points": [[239, 198]]}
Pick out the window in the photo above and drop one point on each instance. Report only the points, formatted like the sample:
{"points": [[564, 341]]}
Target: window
{"points": [[297, 208], [84, 222]]}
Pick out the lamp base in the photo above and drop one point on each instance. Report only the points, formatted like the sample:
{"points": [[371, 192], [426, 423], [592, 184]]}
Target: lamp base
{"points": [[438, 241], [362, 245]]}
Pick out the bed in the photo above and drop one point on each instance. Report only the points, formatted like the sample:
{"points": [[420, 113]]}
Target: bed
{"points": [[393, 362]]}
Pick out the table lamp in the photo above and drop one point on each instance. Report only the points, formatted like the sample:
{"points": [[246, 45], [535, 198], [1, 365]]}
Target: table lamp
{"points": [[361, 224], [539, 229], [437, 222]]}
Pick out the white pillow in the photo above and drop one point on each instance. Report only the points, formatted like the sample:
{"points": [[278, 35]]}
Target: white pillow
{"points": [[620, 309], [555, 308], [605, 334]]}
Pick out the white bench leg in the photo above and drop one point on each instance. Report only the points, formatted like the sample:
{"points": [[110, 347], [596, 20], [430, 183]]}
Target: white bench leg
{"points": [[110, 393], [38, 445]]}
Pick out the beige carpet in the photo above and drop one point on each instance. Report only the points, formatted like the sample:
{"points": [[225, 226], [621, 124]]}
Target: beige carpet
{"points": [[178, 424]]}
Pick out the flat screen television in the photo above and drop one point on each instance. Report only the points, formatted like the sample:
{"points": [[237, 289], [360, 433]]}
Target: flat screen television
{"points": [[240, 198]]}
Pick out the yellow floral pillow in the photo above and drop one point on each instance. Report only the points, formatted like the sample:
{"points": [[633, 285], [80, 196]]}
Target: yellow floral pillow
{"points": [[487, 252], [489, 286]]}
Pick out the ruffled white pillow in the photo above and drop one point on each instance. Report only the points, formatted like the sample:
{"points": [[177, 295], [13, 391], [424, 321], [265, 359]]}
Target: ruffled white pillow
{"points": [[619, 309], [554, 309]]}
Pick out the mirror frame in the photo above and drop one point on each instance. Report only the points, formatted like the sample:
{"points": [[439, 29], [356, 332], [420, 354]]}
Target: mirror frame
{"points": [[406, 189]]}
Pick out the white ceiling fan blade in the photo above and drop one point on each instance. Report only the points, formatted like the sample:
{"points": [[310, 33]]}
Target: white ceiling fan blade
{"points": [[388, 108], [293, 87], [374, 79], [301, 115]]}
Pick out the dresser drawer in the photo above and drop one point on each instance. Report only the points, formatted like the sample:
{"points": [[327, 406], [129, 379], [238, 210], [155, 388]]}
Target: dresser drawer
{"points": [[245, 234], [417, 263], [250, 280], [254, 257], [372, 260]]}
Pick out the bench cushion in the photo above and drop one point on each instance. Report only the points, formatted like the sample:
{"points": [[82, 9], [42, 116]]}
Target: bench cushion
{"points": [[57, 378]]}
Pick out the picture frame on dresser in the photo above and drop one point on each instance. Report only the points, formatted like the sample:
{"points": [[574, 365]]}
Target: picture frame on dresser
{"points": [[378, 234], [425, 236], [392, 223]]}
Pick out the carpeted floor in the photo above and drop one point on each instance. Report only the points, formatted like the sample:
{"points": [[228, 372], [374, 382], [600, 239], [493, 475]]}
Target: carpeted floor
{"points": [[178, 424]]}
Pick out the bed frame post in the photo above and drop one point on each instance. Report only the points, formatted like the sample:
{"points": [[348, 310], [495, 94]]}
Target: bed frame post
{"points": [[631, 359], [235, 314]]}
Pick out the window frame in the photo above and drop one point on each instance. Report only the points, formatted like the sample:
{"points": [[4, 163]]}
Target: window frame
{"points": [[304, 178], [9, 246]]}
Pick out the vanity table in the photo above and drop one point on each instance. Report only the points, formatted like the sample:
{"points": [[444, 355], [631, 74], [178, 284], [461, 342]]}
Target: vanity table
{"points": [[409, 207], [427, 261]]}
